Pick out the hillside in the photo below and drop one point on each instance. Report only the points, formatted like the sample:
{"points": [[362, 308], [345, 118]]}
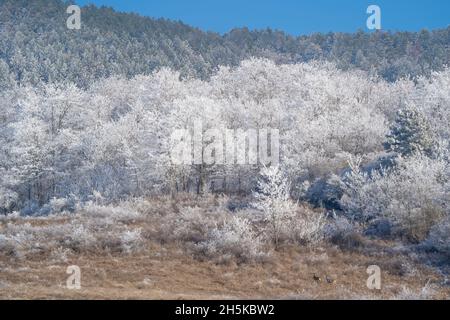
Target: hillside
{"points": [[36, 46], [132, 160]]}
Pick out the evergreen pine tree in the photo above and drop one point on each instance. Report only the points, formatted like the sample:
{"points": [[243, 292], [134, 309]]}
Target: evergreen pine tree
{"points": [[410, 134]]}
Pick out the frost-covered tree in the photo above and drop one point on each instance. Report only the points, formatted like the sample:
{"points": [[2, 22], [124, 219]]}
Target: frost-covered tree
{"points": [[60, 141], [410, 133], [412, 195], [284, 218], [273, 199]]}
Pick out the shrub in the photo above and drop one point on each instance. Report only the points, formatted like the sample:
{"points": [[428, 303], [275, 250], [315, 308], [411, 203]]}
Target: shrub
{"points": [[439, 238], [190, 224], [307, 226], [8, 199], [121, 213], [283, 218], [236, 237], [412, 195], [345, 234], [80, 233], [7, 246], [426, 293], [131, 241], [338, 225], [80, 238], [58, 205]]}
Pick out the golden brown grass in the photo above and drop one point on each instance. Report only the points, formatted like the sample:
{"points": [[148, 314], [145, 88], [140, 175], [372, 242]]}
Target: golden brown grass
{"points": [[166, 269], [166, 272]]}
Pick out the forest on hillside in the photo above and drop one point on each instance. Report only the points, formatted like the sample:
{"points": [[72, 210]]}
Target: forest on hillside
{"points": [[359, 150], [348, 141], [36, 46]]}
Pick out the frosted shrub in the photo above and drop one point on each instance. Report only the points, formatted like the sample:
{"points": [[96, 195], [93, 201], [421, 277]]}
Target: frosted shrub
{"points": [[214, 233], [426, 293], [25, 238], [80, 234], [142, 206], [191, 224], [413, 195], [80, 238], [15, 215], [439, 237], [273, 200], [359, 200], [283, 218], [339, 225], [131, 241], [59, 254], [235, 237], [308, 226], [7, 246], [7, 199], [345, 233], [123, 212], [58, 205]]}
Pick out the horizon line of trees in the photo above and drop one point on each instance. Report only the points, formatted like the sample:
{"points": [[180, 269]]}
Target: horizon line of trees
{"points": [[36, 47]]}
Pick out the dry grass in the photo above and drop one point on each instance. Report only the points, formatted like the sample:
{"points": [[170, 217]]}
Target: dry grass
{"points": [[167, 273], [168, 270]]}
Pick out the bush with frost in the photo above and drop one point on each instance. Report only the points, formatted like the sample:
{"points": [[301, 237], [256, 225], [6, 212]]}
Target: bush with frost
{"points": [[7, 246], [413, 195], [273, 200], [24, 238], [75, 235], [59, 205], [214, 233], [338, 226], [426, 293], [190, 224], [283, 218], [439, 238], [121, 213], [236, 237], [307, 226], [8, 199], [131, 241], [80, 238]]}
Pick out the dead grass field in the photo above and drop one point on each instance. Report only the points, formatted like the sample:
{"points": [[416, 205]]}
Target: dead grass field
{"points": [[167, 272], [35, 254]]}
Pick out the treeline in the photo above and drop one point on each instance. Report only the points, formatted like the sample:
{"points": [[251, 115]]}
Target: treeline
{"points": [[36, 46], [63, 142]]}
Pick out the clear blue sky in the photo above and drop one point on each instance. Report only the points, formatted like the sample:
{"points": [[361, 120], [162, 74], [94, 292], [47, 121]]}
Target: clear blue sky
{"points": [[293, 16]]}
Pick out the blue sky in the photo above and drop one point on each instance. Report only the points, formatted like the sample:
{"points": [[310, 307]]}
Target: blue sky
{"points": [[293, 16]]}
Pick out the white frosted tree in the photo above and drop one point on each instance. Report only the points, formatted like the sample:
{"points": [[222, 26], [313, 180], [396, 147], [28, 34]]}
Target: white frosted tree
{"points": [[412, 195], [410, 133], [273, 199]]}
